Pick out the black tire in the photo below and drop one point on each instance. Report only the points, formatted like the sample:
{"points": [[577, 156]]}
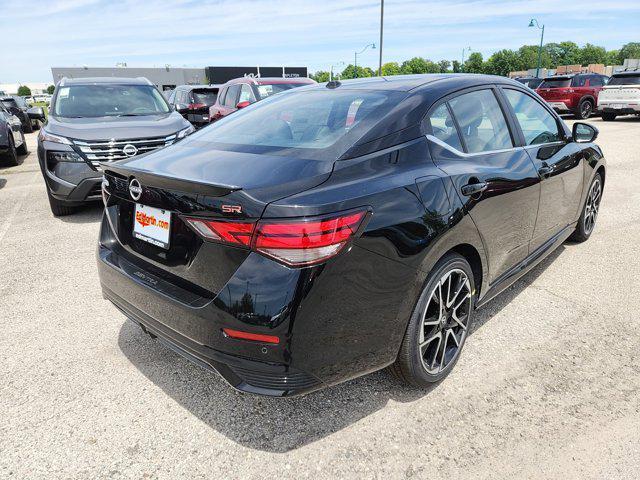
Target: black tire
{"points": [[11, 156], [589, 215], [608, 116], [23, 149], [411, 365], [58, 208], [27, 128], [585, 109], [36, 125]]}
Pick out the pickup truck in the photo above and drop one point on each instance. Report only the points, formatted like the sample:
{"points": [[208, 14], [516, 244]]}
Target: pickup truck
{"points": [[621, 96]]}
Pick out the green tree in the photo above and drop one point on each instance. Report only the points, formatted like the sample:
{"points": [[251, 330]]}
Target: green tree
{"points": [[529, 57], [50, 89], [563, 53], [612, 57], [24, 91], [592, 54], [391, 68], [444, 66], [503, 62], [474, 63], [629, 50], [320, 76], [349, 72], [456, 66]]}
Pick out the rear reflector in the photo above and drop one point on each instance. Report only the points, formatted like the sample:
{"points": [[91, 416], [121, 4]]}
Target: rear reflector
{"points": [[294, 242], [255, 337]]}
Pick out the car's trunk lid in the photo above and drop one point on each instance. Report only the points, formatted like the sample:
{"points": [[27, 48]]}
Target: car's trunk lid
{"points": [[195, 181]]}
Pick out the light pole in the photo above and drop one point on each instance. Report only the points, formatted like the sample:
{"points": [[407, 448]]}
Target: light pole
{"points": [[355, 58], [464, 50], [534, 23], [331, 70], [381, 28]]}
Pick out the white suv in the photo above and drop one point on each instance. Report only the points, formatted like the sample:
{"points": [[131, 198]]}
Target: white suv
{"points": [[621, 96]]}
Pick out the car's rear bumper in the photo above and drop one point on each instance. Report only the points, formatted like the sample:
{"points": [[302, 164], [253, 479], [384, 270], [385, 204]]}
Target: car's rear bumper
{"points": [[621, 108], [560, 107], [140, 296]]}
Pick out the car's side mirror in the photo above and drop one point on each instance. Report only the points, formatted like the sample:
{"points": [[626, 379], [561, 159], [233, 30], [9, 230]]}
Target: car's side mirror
{"points": [[243, 104], [36, 113], [584, 132], [181, 108]]}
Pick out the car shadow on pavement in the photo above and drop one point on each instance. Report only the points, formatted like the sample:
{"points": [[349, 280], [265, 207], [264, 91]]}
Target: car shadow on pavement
{"points": [[3, 182], [273, 424], [91, 213]]}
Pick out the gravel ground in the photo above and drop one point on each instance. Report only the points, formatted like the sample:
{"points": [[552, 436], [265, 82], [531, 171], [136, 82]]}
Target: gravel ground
{"points": [[547, 387]]}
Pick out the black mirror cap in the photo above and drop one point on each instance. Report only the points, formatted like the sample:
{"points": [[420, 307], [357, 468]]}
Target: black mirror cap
{"points": [[584, 132]]}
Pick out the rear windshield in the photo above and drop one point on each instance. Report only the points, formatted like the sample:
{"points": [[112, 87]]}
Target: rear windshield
{"points": [[314, 124], [205, 95], [625, 80], [20, 101], [267, 89], [109, 101], [556, 83], [9, 103]]}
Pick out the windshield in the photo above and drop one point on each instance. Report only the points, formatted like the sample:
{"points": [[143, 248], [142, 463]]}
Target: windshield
{"points": [[625, 80], [555, 83], [206, 96], [267, 89], [9, 103], [317, 120], [109, 101]]}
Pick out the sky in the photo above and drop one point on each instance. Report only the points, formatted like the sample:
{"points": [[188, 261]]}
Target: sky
{"points": [[39, 34]]}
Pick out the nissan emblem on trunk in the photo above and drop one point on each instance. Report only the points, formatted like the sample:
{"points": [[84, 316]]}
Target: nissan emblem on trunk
{"points": [[129, 150], [135, 189]]}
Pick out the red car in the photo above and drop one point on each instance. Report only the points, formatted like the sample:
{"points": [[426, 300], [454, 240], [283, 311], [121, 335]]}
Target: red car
{"points": [[573, 93], [241, 92]]}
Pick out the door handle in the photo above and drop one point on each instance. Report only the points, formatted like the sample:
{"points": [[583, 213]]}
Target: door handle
{"points": [[473, 188], [545, 171]]}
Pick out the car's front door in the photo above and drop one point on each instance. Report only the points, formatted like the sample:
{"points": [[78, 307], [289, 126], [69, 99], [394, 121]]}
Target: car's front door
{"points": [[558, 160], [494, 178]]}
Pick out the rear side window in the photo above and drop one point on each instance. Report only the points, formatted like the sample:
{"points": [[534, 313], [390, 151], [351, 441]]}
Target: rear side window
{"points": [[482, 123], [205, 95], [246, 95], [597, 81], [556, 83], [625, 80], [579, 81], [232, 95], [537, 124], [443, 127]]}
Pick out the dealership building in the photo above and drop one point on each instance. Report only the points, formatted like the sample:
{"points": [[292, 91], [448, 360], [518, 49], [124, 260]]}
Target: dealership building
{"points": [[169, 77]]}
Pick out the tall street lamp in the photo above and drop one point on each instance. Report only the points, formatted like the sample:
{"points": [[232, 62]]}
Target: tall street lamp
{"points": [[355, 58], [534, 23], [381, 25]]}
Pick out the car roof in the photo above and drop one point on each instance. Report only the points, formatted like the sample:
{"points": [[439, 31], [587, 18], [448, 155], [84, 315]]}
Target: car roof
{"points": [[627, 73], [105, 81], [193, 87], [261, 80]]}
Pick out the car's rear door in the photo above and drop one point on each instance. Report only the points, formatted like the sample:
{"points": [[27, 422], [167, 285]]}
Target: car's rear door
{"points": [[493, 176], [558, 161]]}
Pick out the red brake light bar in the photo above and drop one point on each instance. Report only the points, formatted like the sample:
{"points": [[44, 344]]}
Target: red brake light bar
{"points": [[196, 106], [294, 242]]}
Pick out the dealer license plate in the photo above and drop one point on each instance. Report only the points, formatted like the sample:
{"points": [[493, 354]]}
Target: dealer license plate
{"points": [[152, 225]]}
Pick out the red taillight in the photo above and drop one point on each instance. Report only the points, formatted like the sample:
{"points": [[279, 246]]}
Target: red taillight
{"points": [[236, 233], [255, 337], [295, 242], [196, 106]]}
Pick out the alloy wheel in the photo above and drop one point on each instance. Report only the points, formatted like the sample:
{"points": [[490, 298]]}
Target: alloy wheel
{"points": [[445, 321], [586, 109], [592, 205]]}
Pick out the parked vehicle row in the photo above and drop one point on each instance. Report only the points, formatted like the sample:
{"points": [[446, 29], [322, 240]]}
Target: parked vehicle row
{"points": [[574, 93], [341, 228], [31, 118], [193, 102]]}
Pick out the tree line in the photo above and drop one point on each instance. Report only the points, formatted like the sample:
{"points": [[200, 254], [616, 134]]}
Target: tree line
{"points": [[501, 62]]}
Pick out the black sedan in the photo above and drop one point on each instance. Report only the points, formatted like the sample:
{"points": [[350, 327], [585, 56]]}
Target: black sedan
{"points": [[341, 228]]}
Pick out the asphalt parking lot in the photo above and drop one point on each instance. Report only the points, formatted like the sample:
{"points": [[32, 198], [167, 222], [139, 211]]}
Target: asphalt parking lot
{"points": [[548, 385]]}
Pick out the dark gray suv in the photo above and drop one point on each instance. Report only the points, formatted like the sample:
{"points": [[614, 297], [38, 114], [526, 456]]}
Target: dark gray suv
{"points": [[93, 120]]}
